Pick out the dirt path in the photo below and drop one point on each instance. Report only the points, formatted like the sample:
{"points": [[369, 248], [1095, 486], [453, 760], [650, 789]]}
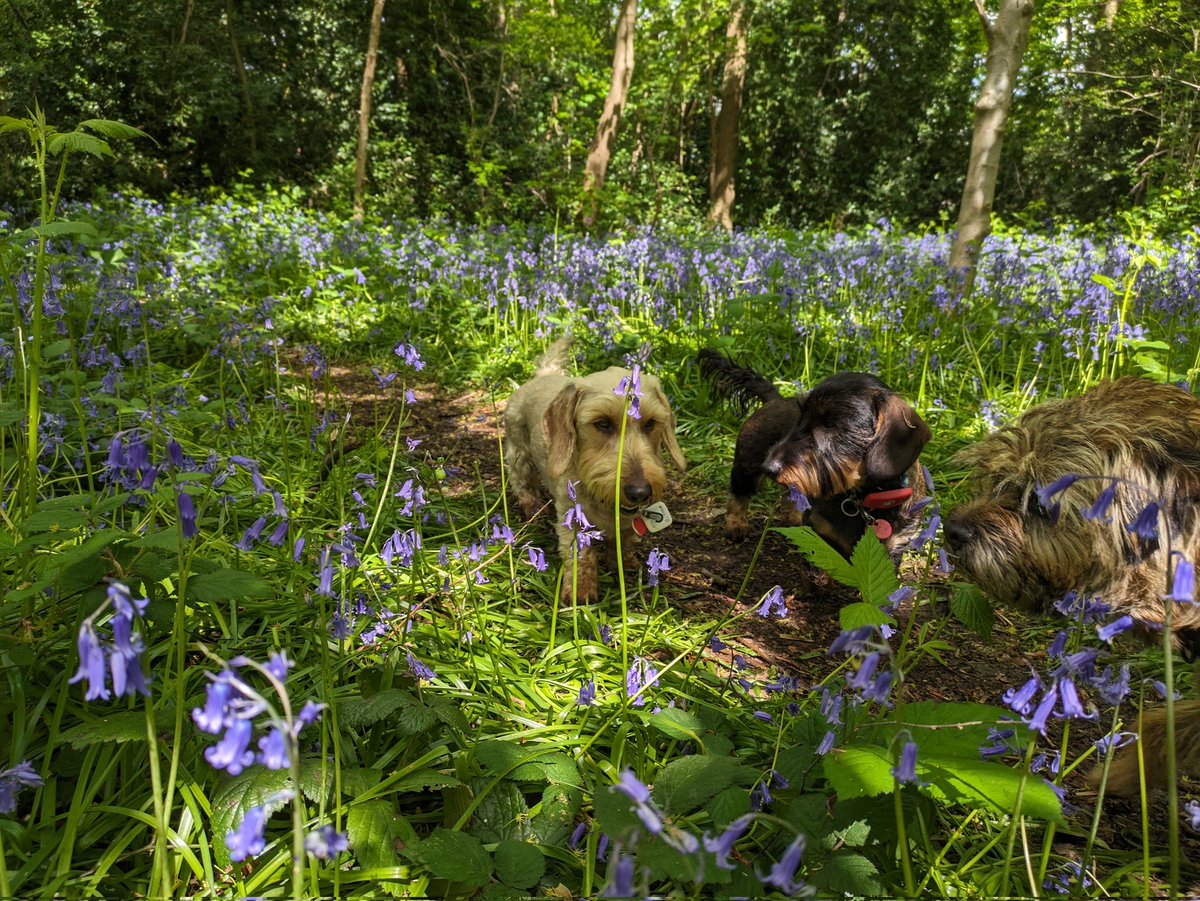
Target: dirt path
{"points": [[707, 571]]}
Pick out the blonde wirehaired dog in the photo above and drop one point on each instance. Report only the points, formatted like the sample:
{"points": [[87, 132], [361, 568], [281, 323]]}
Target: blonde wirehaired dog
{"points": [[1032, 533], [562, 436]]}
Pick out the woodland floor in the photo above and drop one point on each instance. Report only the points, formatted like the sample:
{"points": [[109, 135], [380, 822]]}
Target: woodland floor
{"points": [[707, 571]]}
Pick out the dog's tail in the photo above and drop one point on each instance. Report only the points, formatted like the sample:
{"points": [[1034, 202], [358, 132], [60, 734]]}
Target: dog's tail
{"points": [[554, 360], [741, 384]]}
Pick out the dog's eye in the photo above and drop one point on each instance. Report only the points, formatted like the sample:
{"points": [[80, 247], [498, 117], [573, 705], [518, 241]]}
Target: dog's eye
{"points": [[603, 426], [648, 426]]}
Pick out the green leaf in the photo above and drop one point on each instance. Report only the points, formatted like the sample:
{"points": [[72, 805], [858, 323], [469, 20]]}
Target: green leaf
{"points": [[90, 548], [77, 142], [63, 227], [727, 805], [614, 813], [971, 608], [415, 719], [845, 874], [676, 723], [374, 827], [520, 864], [687, 783], [10, 414], [454, 856], [555, 816], [862, 613], [526, 763], [865, 770], [129, 725], [875, 569], [53, 521], [501, 813], [425, 780], [356, 713], [820, 554], [228, 585], [235, 798], [114, 131], [360, 780]]}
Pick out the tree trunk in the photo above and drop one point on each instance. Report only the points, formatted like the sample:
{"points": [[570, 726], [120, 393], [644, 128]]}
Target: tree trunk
{"points": [[364, 109], [242, 77], [724, 151], [601, 149], [1007, 36]]}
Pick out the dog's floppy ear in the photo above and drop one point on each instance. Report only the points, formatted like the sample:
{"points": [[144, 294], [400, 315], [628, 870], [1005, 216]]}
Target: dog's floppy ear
{"points": [[669, 440], [900, 434], [558, 425]]}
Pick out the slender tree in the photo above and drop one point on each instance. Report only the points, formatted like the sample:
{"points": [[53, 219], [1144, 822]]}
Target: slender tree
{"points": [[722, 170], [1007, 37], [243, 76], [601, 149], [364, 108]]}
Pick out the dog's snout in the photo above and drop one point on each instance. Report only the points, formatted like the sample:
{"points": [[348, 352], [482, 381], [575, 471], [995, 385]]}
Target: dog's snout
{"points": [[958, 532], [637, 492], [772, 466]]}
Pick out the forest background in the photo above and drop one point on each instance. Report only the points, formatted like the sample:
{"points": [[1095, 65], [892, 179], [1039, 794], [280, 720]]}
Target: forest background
{"points": [[484, 110]]}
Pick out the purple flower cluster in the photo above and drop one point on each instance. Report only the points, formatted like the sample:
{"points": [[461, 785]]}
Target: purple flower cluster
{"points": [[231, 708], [121, 655], [12, 781]]}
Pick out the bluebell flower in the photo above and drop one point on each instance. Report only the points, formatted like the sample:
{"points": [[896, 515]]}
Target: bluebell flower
{"points": [[773, 604], [187, 514], [620, 884], [537, 558], [632, 787], [1020, 700], [826, 744], [1192, 809], [722, 846], [1145, 525], [799, 500], [419, 669], [998, 744], [906, 770], [1115, 628], [656, 563], [641, 675], [91, 664], [278, 665], [12, 781], [1183, 580], [783, 874], [212, 717], [1047, 495], [248, 839], [1098, 511], [273, 749], [587, 694], [125, 659], [577, 836], [232, 753], [326, 843]]}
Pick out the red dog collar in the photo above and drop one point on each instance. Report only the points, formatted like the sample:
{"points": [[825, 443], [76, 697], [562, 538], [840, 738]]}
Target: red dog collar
{"points": [[886, 500]]}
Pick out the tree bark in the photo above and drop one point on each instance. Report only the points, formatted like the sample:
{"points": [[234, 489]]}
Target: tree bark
{"points": [[721, 175], [242, 77], [364, 109], [1007, 37], [601, 149]]}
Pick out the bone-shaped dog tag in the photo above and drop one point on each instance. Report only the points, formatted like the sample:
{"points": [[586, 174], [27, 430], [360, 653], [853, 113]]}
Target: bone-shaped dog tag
{"points": [[654, 518]]}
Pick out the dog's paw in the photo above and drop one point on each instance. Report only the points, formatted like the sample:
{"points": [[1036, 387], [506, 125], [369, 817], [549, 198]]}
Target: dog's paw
{"points": [[737, 528]]}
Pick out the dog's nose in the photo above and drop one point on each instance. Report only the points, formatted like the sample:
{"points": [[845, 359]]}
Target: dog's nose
{"points": [[957, 532], [772, 466], [637, 492]]}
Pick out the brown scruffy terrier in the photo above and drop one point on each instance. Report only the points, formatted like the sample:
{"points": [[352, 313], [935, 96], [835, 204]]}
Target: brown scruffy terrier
{"points": [[562, 436], [850, 447], [1032, 533]]}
